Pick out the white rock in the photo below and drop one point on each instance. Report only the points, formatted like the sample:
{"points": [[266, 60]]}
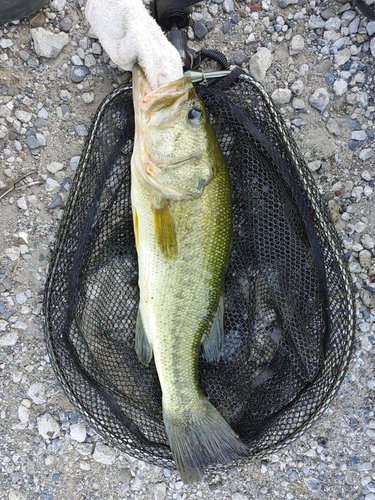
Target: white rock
{"points": [[48, 427], [366, 154], [23, 414], [55, 167], [372, 46], [57, 5], [47, 44], [319, 99], [21, 203], [333, 127], [104, 454], [370, 27], [78, 432], [51, 184], [88, 97], [342, 56], [23, 116], [260, 63], [314, 165], [8, 339], [340, 86], [3, 131], [367, 241], [5, 43], [281, 96], [37, 393], [297, 45]]}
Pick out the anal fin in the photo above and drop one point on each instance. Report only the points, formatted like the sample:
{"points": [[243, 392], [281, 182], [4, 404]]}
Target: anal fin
{"points": [[213, 343], [142, 345]]}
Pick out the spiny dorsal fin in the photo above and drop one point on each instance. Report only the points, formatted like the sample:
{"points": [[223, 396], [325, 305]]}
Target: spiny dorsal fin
{"points": [[165, 231]]}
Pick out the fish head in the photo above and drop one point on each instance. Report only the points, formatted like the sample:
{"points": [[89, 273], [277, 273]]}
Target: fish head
{"points": [[173, 139]]}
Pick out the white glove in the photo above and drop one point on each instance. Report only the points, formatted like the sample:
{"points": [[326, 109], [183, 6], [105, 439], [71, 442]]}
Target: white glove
{"points": [[130, 35]]}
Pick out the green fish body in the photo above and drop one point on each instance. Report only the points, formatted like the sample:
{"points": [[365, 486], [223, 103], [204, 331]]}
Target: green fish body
{"points": [[181, 203]]}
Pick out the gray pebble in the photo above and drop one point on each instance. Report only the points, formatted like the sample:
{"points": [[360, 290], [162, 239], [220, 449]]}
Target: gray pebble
{"points": [[78, 432], [364, 155], [48, 428], [342, 56], [104, 454], [81, 130], [281, 96], [56, 201], [319, 99], [284, 3], [90, 60], [37, 393], [316, 22], [297, 45], [298, 104], [340, 86], [333, 127], [79, 73], [3, 131], [74, 161], [66, 24], [228, 6], [47, 44], [76, 60], [365, 175], [260, 63], [200, 30], [370, 28], [358, 135], [32, 142], [313, 484], [367, 241]]}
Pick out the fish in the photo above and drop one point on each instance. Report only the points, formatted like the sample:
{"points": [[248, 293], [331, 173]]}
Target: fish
{"points": [[182, 217]]}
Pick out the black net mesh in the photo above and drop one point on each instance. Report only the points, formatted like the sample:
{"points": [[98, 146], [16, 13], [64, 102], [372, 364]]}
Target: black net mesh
{"points": [[289, 309]]}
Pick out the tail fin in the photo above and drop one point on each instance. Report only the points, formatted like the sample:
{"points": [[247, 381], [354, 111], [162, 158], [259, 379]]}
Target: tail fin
{"points": [[199, 439]]}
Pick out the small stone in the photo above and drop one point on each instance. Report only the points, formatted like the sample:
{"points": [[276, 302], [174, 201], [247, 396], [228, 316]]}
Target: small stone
{"points": [[297, 45], [281, 96], [38, 20], [48, 428], [313, 484], [5, 43], [37, 393], [358, 135], [3, 131], [316, 22], [365, 258], [23, 116], [104, 454], [319, 99], [8, 339], [342, 56], [370, 27], [298, 104], [367, 241], [200, 30], [74, 161], [47, 44], [340, 86], [78, 432], [55, 167], [21, 203], [32, 142], [51, 184], [66, 24], [372, 46], [366, 154], [366, 176], [228, 6], [79, 73], [81, 130], [284, 3], [314, 165], [56, 201], [333, 127], [90, 60], [260, 63], [88, 97], [57, 5]]}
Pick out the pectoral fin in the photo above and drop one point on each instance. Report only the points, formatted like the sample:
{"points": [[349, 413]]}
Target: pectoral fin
{"points": [[213, 343], [135, 226], [142, 345], [165, 231]]}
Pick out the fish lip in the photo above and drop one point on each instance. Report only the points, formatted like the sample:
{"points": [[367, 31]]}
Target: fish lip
{"points": [[165, 164]]}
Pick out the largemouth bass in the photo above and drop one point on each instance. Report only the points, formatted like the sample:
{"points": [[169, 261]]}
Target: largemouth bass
{"points": [[181, 204]]}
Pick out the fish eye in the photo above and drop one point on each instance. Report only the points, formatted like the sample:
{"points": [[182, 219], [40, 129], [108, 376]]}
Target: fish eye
{"points": [[195, 116]]}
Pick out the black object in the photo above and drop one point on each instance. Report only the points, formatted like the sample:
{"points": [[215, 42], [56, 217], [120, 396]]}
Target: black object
{"points": [[366, 10], [289, 307], [11, 10]]}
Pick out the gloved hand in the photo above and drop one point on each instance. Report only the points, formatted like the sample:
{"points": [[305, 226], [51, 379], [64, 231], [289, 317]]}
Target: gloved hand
{"points": [[130, 35]]}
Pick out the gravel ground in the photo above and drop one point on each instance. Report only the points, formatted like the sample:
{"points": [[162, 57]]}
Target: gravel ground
{"points": [[316, 60]]}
